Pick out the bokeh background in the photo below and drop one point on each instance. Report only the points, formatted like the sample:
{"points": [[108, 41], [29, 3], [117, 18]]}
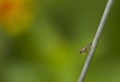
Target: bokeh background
{"points": [[40, 40]]}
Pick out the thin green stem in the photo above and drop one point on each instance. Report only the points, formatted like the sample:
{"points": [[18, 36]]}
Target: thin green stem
{"points": [[95, 41]]}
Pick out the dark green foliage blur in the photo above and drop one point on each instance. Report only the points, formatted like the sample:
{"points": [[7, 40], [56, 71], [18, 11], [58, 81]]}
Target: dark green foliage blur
{"points": [[49, 51]]}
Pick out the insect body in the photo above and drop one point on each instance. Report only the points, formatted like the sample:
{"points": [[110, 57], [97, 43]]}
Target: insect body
{"points": [[86, 49]]}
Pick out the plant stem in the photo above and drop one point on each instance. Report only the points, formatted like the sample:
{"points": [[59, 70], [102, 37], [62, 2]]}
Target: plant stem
{"points": [[95, 41]]}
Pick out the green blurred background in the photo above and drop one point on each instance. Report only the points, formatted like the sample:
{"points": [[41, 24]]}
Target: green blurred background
{"points": [[40, 40]]}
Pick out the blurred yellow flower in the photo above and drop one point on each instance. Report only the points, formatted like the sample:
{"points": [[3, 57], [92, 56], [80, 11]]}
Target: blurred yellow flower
{"points": [[16, 15]]}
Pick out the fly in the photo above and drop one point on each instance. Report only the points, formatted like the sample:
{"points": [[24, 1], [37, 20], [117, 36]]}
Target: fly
{"points": [[86, 49]]}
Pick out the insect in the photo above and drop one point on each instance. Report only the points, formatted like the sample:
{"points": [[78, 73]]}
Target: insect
{"points": [[86, 49]]}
